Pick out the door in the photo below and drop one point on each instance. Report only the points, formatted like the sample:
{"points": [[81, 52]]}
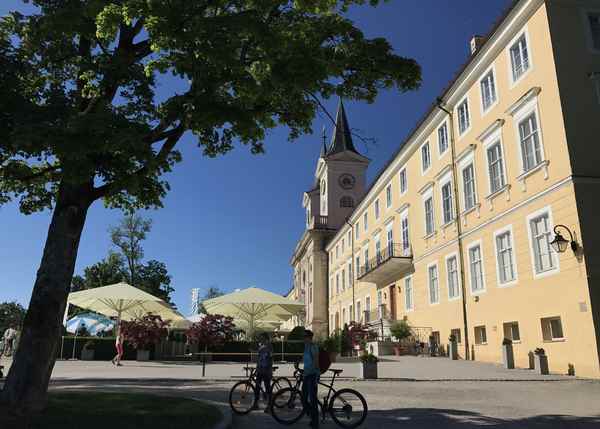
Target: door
{"points": [[392, 306]]}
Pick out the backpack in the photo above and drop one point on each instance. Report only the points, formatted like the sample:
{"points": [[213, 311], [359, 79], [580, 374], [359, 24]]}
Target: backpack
{"points": [[324, 361]]}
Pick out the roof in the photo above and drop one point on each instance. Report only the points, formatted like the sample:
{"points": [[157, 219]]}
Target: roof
{"points": [[341, 140]]}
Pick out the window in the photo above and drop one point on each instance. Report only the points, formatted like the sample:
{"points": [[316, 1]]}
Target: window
{"points": [[495, 167], [425, 157], [366, 257], [552, 329], [379, 304], [378, 249], [408, 294], [464, 120], [388, 196], [469, 186], [504, 257], [403, 182], [390, 239], [519, 58], [357, 230], [346, 201], [447, 204], [365, 221], [543, 255], [337, 284], [594, 22], [349, 273], [323, 198], [330, 286], [349, 237], [452, 269], [442, 138], [405, 239], [344, 321], [476, 268], [310, 295], [337, 251], [377, 209], [343, 280], [358, 313], [488, 90], [350, 313], [511, 331], [343, 245], [531, 151], [367, 309], [457, 335], [429, 219], [480, 335], [434, 290], [357, 266]]}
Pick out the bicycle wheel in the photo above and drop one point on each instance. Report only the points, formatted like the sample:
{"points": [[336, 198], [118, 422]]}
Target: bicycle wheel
{"points": [[280, 383], [348, 408], [242, 397], [286, 406]]}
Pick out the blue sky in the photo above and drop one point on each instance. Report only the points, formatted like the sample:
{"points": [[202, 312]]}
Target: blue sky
{"points": [[233, 221]]}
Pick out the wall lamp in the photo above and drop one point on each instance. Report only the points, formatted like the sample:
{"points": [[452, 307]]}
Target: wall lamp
{"points": [[559, 244]]}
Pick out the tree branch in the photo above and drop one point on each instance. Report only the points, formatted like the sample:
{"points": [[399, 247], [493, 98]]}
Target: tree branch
{"points": [[38, 174]]}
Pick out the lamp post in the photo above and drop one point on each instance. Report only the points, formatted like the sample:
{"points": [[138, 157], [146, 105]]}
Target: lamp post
{"points": [[560, 244]]}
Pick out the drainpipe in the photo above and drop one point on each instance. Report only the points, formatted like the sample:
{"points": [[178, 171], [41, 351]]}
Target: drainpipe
{"points": [[352, 269], [441, 105]]}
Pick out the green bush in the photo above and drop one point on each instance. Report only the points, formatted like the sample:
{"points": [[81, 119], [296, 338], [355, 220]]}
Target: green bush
{"points": [[333, 343], [401, 330], [297, 334]]}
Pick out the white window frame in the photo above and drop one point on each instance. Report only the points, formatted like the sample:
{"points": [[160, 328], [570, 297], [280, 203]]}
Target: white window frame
{"points": [[366, 221], [378, 249], [337, 283], [490, 71], [444, 126], [444, 181], [349, 268], [528, 219], [462, 133], [409, 294], [463, 165], [358, 309], [497, 233], [552, 337], [343, 246], [477, 243], [519, 113], [379, 298], [428, 196], [368, 307], [588, 30], [513, 82], [458, 279], [388, 196], [357, 230], [424, 168], [405, 237], [343, 279], [389, 233], [437, 271], [504, 184], [476, 330], [403, 187], [324, 190], [357, 270]]}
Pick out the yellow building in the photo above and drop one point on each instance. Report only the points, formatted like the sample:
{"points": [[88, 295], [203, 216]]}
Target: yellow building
{"points": [[454, 234]]}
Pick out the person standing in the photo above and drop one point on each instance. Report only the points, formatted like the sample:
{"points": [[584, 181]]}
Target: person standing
{"points": [[311, 376], [10, 336], [119, 346], [264, 368]]}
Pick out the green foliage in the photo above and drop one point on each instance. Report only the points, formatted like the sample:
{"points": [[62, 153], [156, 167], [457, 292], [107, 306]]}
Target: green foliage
{"points": [[297, 334], [212, 292], [128, 236], [106, 272], [333, 343], [368, 358], [11, 314], [78, 87], [346, 341], [401, 330]]}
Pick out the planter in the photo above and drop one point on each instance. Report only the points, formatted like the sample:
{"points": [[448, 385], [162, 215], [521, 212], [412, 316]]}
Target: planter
{"points": [[143, 355], [508, 356], [530, 355], [453, 350], [541, 364], [87, 354], [397, 350], [369, 370]]}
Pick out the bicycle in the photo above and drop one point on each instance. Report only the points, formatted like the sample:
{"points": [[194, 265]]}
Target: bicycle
{"points": [[244, 395], [347, 407]]}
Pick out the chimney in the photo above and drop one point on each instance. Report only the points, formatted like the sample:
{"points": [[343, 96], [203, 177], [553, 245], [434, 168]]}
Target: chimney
{"points": [[476, 42]]}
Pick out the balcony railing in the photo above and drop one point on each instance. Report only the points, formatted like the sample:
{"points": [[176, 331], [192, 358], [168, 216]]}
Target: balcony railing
{"points": [[318, 222], [375, 315], [389, 252]]}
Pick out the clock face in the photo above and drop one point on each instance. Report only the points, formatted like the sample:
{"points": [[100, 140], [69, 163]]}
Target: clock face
{"points": [[347, 181]]}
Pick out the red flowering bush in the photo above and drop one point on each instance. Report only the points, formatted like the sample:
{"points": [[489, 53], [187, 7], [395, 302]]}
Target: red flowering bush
{"points": [[145, 331], [359, 334], [213, 329]]}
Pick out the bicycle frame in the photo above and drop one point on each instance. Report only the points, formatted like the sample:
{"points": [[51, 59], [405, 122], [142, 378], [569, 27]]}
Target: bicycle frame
{"points": [[298, 375]]}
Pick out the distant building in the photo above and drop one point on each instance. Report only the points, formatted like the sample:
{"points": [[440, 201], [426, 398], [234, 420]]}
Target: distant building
{"points": [[195, 307], [454, 234]]}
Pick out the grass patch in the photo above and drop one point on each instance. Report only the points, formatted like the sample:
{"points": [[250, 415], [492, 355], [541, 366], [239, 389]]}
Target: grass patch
{"points": [[100, 410]]}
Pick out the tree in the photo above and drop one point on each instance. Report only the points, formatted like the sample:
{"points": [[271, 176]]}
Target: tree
{"points": [[108, 271], [11, 314], [154, 278], [128, 237], [82, 119], [212, 292], [145, 331], [213, 330]]}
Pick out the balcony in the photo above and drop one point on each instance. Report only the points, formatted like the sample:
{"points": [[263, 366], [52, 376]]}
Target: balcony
{"points": [[376, 315], [391, 263], [318, 222]]}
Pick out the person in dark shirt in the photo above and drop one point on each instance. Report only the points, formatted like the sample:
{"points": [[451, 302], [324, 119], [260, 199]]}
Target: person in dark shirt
{"points": [[264, 367], [311, 376]]}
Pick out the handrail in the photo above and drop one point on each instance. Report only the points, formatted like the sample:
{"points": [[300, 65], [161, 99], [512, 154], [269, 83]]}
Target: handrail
{"points": [[393, 250]]}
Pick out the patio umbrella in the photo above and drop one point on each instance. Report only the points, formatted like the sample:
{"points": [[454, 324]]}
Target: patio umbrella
{"points": [[254, 306], [123, 302]]}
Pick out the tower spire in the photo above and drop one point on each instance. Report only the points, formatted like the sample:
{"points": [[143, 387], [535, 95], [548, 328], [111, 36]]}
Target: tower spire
{"points": [[341, 140], [324, 148]]}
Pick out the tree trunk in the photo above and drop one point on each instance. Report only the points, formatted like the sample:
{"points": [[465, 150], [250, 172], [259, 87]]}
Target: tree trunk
{"points": [[27, 381]]}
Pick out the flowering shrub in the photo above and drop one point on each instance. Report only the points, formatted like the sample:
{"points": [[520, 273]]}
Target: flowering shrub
{"points": [[145, 331], [213, 329], [360, 334]]}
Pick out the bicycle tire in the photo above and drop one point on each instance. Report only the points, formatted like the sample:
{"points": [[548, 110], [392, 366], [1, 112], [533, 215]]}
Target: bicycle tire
{"points": [[243, 389], [334, 415], [286, 406], [280, 383]]}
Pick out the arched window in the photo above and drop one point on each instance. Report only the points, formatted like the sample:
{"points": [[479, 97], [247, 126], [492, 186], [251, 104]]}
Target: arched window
{"points": [[347, 201]]}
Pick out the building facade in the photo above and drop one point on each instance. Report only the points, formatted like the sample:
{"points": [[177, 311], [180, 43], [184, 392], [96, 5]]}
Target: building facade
{"points": [[454, 234]]}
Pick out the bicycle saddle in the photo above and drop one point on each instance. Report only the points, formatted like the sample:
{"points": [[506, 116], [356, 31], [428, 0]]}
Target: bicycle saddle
{"points": [[275, 368], [336, 371]]}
